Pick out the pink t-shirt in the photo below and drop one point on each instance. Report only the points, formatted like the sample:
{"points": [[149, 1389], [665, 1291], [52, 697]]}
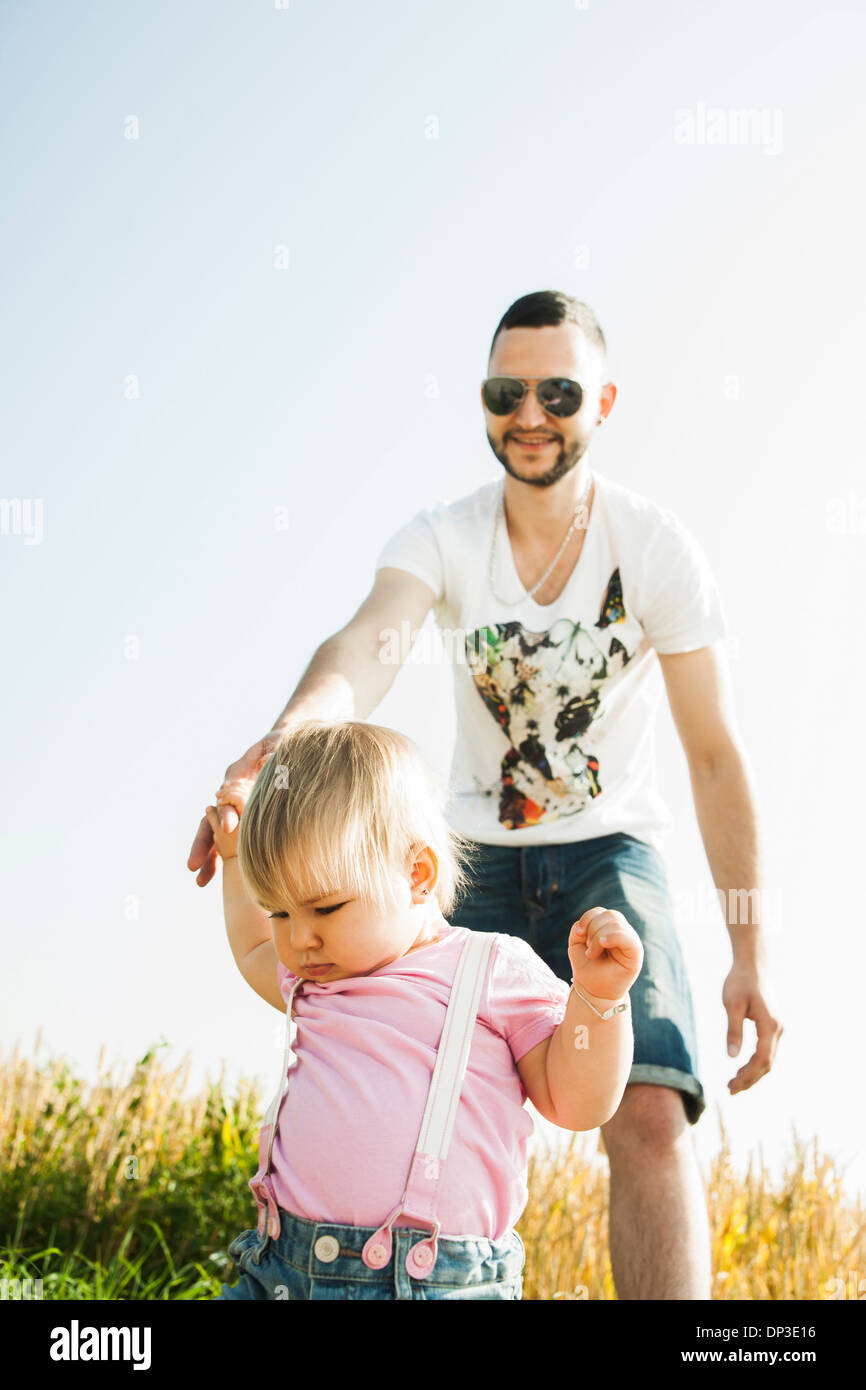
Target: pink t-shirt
{"points": [[366, 1048]]}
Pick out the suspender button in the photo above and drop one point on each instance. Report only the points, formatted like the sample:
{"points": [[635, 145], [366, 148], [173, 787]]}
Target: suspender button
{"points": [[326, 1249], [420, 1260]]}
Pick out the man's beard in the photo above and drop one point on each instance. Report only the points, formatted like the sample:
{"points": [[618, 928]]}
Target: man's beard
{"points": [[565, 461]]}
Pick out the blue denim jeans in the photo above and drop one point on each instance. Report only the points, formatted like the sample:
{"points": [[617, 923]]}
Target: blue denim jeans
{"points": [[319, 1260], [537, 892]]}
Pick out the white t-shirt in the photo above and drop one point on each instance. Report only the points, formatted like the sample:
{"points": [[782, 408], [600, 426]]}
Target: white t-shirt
{"points": [[556, 702]]}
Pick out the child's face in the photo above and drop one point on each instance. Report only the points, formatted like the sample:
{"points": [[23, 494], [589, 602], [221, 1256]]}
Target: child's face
{"points": [[349, 935]]}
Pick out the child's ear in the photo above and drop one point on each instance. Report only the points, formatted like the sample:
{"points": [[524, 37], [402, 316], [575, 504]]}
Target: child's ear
{"points": [[424, 871]]}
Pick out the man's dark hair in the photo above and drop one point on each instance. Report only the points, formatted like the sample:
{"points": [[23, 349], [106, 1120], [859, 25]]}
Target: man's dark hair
{"points": [[549, 308]]}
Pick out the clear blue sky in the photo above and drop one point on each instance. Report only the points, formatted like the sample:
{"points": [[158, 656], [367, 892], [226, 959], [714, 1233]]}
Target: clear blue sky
{"points": [[169, 385]]}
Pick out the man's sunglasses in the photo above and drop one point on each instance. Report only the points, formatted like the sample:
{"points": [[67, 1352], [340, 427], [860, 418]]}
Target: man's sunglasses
{"points": [[555, 394]]}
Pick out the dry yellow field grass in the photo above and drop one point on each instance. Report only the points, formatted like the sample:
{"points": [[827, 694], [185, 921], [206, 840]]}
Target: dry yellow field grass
{"points": [[797, 1237]]}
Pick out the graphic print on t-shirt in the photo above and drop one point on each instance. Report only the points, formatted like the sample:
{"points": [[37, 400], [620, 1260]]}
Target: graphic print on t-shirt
{"points": [[544, 691]]}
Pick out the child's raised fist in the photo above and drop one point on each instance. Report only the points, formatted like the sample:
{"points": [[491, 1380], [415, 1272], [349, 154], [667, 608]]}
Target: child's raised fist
{"points": [[605, 952]]}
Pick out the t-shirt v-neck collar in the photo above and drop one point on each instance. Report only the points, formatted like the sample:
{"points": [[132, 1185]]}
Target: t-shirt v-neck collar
{"points": [[503, 547]]}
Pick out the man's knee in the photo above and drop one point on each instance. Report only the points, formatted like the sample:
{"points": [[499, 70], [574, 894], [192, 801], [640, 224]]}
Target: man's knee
{"points": [[651, 1121]]}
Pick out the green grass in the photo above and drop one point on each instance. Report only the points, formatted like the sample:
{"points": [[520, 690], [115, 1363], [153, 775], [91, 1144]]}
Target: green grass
{"points": [[72, 1274]]}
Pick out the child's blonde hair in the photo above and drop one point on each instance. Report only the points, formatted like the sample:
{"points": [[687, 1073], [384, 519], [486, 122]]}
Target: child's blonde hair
{"points": [[339, 805]]}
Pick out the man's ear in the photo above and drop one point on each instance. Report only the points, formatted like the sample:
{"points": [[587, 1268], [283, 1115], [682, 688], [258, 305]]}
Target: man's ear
{"points": [[608, 396]]}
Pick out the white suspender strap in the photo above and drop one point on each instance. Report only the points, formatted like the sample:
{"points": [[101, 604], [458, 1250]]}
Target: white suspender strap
{"points": [[443, 1097], [421, 1193], [273, 1109]]}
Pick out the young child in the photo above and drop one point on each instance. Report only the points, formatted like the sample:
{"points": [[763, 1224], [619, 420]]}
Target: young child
{"points": [[392, 1161]]}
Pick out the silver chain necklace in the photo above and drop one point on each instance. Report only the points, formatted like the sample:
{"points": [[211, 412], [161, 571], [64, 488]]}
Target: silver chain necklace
{"points": [[500, 517]]}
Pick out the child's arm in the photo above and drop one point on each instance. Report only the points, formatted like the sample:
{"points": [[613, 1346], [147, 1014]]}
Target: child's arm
{"points": [[576, 1078], [248, 927]]}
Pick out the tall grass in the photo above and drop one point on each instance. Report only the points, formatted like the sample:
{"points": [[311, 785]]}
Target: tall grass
{"points": [[131, 1189], [794, 1237]]}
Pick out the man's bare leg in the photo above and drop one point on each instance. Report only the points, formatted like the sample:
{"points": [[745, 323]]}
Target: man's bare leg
{"points": [[659, 1226]]}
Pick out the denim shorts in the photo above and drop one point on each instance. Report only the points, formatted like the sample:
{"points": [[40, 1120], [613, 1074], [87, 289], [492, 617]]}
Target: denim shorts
{"points": [[537, 892], [291, 1266]]}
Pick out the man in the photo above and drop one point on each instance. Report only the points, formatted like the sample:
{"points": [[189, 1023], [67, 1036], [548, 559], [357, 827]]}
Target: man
{"points": [[567, 591]]}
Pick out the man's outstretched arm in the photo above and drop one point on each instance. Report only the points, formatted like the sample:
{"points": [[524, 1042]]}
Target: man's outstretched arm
{"points": [[348, 676], [699, 693]]}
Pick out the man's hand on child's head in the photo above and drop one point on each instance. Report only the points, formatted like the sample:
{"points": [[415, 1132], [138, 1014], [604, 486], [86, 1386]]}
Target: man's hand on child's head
{"points": [[226, 840], [605, 952]]}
